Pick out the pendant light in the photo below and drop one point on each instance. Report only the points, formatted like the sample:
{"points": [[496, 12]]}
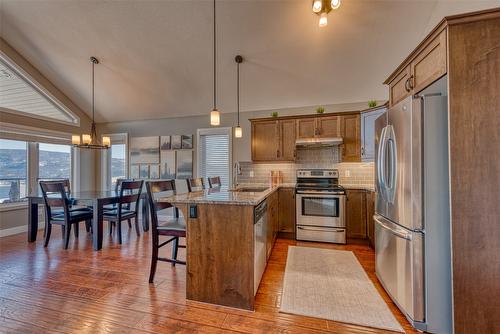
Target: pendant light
{"points": [[322, 8], [238, 132], [215, 114], [91, 140]]}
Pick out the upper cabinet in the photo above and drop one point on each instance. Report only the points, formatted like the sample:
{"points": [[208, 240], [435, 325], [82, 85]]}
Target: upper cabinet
{"points": [[273, 140], [420, 70], [350, 133], [265, 140], [368, 132]]}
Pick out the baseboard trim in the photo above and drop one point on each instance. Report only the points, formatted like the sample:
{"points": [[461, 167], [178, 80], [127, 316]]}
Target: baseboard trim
{"points": [[18, 229]]}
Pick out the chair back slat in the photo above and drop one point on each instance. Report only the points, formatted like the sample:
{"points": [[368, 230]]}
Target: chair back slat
{"points": [[55, 196], [130, 192], [214, 182], [158, 187], [195, 184]]}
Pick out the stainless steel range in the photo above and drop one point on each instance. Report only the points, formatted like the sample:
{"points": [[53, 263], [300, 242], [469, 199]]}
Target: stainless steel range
{"points": [[320, 206]]}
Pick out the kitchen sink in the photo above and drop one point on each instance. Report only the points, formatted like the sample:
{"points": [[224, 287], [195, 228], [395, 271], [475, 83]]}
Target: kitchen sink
{"points": [[251, 189]]}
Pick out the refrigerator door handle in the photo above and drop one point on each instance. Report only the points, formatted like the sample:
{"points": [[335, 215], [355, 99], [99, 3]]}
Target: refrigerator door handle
{"points": [[381, 163], [398, 232], [391, 144]]}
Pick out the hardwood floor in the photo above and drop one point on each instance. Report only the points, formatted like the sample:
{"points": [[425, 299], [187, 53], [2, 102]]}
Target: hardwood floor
{"points": [[51, 290]]}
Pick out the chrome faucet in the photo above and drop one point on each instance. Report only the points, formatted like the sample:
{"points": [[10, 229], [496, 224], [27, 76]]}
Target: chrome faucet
{"points": [[236, 172]]}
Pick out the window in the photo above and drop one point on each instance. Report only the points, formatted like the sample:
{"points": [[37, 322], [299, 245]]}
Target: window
{"points": [[19, 93], [214, 154], [54, 161], [118, 162], [13, 170]]}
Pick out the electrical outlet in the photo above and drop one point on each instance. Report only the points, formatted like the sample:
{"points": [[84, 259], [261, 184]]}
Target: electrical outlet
{"points": [[251, 173], [347, 173]]}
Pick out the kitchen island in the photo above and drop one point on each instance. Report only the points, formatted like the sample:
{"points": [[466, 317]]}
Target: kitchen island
{"points": [[220, 252]]}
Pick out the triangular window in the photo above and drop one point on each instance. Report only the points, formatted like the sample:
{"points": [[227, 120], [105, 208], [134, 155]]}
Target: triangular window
{"points": [[19, 93]]}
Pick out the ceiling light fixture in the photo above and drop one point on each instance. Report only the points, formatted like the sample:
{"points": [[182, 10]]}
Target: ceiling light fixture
{"points": [[215, 114], [322, 8], [91, 140], [238, 132]]}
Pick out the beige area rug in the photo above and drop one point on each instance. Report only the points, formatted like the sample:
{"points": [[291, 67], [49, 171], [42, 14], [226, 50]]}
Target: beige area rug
{"points": [[331, 284]]}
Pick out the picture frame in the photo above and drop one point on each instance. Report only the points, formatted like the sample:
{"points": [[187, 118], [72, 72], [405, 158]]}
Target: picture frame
{"points": [[165, 143], [167, 165], [187, 141], [184, 164], [145, 150], [144, 172], [176, 142]]}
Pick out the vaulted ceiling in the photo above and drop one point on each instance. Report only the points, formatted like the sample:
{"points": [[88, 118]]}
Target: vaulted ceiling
{"points": [[156, 56]]}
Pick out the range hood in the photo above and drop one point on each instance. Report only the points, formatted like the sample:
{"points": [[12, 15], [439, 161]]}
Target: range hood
{"points": [[330, 141]]}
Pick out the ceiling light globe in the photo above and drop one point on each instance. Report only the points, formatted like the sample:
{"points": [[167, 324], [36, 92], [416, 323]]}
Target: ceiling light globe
{"points": [[335, 4], [323, 20], [215, 117], [238, 132], [317, 6]]}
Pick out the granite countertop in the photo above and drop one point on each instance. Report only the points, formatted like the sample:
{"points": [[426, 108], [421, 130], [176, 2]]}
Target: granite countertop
{"points": [[221, 196], [359, 186]]}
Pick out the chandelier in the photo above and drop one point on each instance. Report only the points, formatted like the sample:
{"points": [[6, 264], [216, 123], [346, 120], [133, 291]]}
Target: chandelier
{"points": [[215, 114], [91, 140], [322, 8]]}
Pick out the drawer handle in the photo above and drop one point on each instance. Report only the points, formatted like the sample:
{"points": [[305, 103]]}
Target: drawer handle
{"points": [[319, 229], [410, 81], [407, 82]]}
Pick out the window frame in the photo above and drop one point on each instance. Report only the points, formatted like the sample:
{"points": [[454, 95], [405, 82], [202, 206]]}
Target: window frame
{"points": [[116, 138], [22, 201], [215, 131]]}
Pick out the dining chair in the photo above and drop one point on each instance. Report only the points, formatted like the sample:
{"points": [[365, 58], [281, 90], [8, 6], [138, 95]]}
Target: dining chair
{"points": [[214, 182], [162, 225], [195, 184], [58, 211], [130, 194], [113, 206]]}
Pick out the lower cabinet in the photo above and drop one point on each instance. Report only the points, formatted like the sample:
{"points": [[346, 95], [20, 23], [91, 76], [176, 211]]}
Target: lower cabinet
{"points": [[370, 223], [287, 210], [356, 213], [272, 221]]}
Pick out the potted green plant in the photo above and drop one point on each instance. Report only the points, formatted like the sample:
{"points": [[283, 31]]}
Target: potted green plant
{"points": [[320, 110], [372, 103], [274, 114]]}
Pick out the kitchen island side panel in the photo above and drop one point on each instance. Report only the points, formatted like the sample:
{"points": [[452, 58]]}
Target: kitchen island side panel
{"points": [[220, 255]]}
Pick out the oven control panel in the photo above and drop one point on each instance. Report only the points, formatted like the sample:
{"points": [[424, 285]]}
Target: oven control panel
{"points": [[319, 173]]}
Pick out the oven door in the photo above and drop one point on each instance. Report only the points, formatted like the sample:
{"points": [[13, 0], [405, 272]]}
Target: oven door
{"points": [[320, 210]]}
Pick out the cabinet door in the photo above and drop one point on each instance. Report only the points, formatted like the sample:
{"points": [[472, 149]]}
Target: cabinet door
{"points": [[350, 133], [287, 210], [356, 214], [272, 221], [368, 133], [306, 127], [287, 139], [265, 141], [430, 64], [328, 126], [370, 211], [398, 87]]}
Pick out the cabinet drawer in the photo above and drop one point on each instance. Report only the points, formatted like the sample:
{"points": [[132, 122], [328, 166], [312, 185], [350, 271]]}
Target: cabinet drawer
{"points": [[321, 234], [430, 64], [398, 88]]}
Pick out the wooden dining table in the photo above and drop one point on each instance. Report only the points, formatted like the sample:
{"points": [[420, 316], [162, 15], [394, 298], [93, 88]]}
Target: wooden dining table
{"points": [[95, 199]]}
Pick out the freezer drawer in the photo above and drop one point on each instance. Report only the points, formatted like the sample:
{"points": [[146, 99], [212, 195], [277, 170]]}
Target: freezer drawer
{"points": [[399, 266], [321, 234]]}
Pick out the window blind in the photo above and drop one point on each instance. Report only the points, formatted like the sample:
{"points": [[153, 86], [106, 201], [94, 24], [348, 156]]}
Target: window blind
{"points": [[214, 149]]}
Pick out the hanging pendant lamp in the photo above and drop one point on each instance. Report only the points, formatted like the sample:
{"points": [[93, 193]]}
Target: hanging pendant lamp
{"points": [[238, 132], [215, 114], [91, 140]]}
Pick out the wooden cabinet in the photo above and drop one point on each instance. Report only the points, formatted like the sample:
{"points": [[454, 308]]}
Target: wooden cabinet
{"points": [[430, 64], [272, 221], [273, 140], [370, 223], [356, 214], [350, 133], [287, 139], [306, 127], [287, 210], [265, 140], [328, 126], [425, 66], [368, 132]]}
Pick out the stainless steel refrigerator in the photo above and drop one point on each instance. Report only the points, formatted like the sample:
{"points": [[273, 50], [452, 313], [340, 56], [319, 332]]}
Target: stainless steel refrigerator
{"points": [[412, 224]]}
